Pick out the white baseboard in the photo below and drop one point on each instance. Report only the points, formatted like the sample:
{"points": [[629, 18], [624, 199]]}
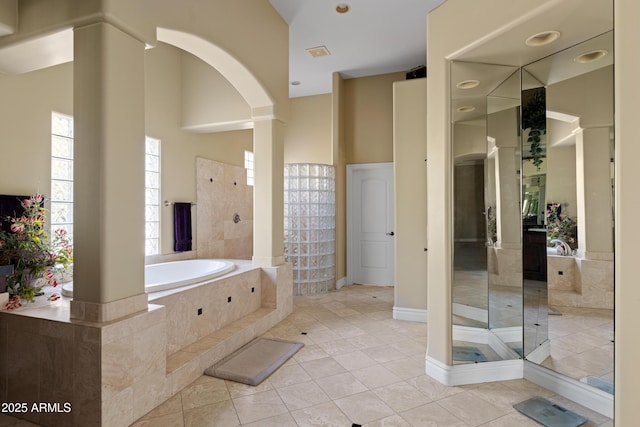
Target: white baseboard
{"points": [[540, 353], [340, 283], [410, 314], [474, 373], [577, 391]]}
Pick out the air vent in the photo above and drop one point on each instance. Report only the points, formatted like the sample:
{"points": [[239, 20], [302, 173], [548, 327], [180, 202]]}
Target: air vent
{"points": [[319, 51]]}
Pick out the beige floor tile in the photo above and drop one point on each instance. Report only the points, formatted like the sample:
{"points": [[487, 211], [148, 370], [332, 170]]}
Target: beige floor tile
{"points": [[465, 406], [204, 391], [383, 353], [288, 375], [375, 376], [303, 395], [167, 420], [335, 347], [401, 396], [258, 406], [323, 415], [406, 367], [354, 360], [392, 421], [222, 414], [512, 420], [284, 420], [239, 389], [341, 385], [324, 367], [364, 407], [431, 414], [172, 406]]}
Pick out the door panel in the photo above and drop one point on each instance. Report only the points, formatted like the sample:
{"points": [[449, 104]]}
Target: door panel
{"points": [[370, 224]]}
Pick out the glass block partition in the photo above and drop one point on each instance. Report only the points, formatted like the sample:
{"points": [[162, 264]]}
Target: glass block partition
{"points": [[309, 226]]}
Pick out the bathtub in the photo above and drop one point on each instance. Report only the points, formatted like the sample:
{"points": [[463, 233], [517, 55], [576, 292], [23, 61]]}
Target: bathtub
{"points": [[175, 274]]}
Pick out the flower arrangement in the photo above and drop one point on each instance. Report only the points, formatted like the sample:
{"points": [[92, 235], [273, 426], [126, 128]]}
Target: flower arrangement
{"points": [[561, 226], [32, 253]]}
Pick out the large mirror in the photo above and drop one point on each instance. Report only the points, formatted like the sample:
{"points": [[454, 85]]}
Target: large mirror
{"points": [[533, 212], [568, 275]]}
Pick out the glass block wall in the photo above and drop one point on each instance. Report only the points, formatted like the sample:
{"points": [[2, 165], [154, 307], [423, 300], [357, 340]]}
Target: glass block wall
{"points": [[309, 226]]}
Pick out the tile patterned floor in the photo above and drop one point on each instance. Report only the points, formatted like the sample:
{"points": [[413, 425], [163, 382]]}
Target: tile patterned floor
{"points": [[358, 366]]}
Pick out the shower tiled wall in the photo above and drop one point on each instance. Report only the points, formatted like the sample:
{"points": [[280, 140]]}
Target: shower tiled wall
{"points": [[224, 222]]}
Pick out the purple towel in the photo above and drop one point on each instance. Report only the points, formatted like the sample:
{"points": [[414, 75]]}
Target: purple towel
{"points": [[182, 227]]}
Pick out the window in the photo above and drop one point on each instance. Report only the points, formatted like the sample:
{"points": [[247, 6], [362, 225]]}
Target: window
{"points": [[248, 164], [152, 196], [62, 174]]}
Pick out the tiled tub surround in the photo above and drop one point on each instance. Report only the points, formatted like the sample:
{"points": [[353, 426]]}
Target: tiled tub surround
{"points": [[222, 192], [578, 282], [114, 372], [195, 311]]}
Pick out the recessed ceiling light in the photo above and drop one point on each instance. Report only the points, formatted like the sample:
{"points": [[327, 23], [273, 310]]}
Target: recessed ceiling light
{"points": [[342, 8], [594, 55], [465, 109], [468, 84], [318, 51], [542, 38], [295, 83]]}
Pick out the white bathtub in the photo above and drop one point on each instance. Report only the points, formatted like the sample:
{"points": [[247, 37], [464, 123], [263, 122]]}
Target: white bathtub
{"points": [[174, 274]]}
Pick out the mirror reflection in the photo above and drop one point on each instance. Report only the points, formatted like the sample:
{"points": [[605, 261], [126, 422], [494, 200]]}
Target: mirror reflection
{"points": [[570, 278], [533, 212]]}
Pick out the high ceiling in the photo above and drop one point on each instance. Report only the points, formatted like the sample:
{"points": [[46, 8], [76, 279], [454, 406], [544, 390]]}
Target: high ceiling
{"points": [[373, 37]]}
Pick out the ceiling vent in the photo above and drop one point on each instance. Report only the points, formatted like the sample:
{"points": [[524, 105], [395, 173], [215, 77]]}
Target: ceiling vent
{"points": [[319, 51]]}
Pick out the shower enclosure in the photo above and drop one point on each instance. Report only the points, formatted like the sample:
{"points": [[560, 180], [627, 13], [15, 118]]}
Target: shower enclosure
{"points": [[309, 226]]}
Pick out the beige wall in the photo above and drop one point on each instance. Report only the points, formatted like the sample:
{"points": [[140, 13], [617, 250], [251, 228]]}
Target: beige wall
{"points": [[25, 118], [410, 182], [368, 116], [308, 131], [209, 101]]}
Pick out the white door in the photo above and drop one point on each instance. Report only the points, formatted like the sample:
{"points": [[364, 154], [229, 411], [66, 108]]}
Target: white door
{"points": [[370, 236]]}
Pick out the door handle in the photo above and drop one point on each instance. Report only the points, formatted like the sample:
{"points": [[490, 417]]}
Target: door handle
{"points": [[391, 233]]}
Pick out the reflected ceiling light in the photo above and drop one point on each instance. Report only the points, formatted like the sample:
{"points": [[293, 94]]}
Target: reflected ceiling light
{"points": [[594, 55], [543, 38], [465, 109], [342, 8], [468, 84]]}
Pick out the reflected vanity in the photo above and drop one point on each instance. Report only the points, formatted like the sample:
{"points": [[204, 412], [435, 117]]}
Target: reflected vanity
{"points": [[533, 213]]}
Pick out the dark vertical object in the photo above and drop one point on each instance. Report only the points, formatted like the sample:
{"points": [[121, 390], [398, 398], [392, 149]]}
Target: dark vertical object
{"points": [[10, 206], [182, 227]]}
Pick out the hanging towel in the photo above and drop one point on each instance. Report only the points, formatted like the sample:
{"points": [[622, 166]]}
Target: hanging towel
{"points": [[182, 227]]}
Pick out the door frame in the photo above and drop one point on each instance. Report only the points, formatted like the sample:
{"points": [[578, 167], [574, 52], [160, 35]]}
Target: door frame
{"points": [[351, 168]]}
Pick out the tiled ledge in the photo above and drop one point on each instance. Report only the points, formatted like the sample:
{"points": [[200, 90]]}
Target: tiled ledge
{"points": [[189, 363]]}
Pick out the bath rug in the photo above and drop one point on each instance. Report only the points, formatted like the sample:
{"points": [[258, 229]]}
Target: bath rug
{"points": [[548, 413], [468, 354], [255, 361]]}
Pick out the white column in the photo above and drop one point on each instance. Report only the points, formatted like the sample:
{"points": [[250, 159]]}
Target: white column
{"points": [[109, 171], [268, 193], [594, 193]]}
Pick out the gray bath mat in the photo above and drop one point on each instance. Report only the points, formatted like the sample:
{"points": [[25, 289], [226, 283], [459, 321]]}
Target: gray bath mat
{"points": [[255, 361], [468, 354], [549, 414]]}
